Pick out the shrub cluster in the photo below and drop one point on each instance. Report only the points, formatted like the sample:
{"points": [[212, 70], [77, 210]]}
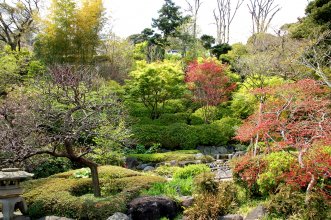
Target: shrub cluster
{"points": [[184, 136], [63, 195], [210, 205]]}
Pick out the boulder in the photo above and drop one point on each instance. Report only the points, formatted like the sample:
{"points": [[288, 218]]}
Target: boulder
{"points": [[258, 213], [131, 162], [152, 207], [148, 168], [54, 218], [199, 156], [142, 166], [118, 216], [239, 154], [231, 217], [221, 150], [186, 201]]}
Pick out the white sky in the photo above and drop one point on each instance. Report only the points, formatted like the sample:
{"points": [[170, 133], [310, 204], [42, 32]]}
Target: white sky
{"points": [[132, 16]]}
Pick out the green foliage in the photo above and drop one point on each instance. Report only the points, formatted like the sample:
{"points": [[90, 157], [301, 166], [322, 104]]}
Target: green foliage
{"points": [[219, 132], [169, 20], [277, 164], [36, 68], [220, 49], [154, 84], [207, 41], [184, 136], [168, 156], [14, 66], [107, 157], [82, 173], [209, 112], [174, 188], [166, 171], [205, 182], [287, 203], [51, 166], [63, 196], [71, 31], [190, 171]]}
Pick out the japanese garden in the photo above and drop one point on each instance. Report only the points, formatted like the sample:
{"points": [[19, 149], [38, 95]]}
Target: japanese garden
{"points": [[167, 123]]}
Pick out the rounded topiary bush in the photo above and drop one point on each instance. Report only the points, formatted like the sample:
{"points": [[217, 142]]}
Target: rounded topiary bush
{"points": [[63, 195]]}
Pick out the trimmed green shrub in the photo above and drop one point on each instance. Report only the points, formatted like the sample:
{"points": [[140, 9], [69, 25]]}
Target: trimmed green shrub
{"points": [[179, 136], [184, 136], [190, 171], [168, 119], [61, 195], [179, 155]]}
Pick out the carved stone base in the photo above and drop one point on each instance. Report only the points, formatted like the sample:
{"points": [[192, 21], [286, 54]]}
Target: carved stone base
{"points": [[9, 204]]}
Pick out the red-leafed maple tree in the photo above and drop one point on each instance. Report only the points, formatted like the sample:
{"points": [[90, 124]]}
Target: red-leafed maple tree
{"points": [[209, 83], [294, 116]]}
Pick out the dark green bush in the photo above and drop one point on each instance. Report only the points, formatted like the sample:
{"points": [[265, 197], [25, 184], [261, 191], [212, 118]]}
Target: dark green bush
{"points": [[51, 166], [179, 136], [168, 119], [184, 136]]}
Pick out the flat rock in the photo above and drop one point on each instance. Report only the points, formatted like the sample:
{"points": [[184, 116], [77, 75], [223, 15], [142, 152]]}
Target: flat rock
{"points": [[231, 217], [256, 213], [54, 218], [148, 168], [131, 162], [118, 216]]}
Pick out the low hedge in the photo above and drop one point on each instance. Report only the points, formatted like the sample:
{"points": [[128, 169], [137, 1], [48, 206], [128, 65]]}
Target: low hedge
{"points": [[62, 195], [180, 155], [184, 136]]}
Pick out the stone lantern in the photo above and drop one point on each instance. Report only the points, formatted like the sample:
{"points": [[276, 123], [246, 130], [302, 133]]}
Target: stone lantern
{"points": [[10, 191]]}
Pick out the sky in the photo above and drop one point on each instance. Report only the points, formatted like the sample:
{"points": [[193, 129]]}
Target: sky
{"points": [[132, 16]]}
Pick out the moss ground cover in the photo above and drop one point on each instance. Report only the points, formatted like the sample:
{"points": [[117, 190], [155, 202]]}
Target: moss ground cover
{"points": [[63, 195]]}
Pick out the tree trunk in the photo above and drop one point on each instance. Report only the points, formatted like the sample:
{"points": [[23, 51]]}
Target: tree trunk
{"points": [[95, 180], [94, 174]]}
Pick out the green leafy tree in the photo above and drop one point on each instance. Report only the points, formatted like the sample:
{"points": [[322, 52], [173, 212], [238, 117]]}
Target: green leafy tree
{"points": [[70, 33], [207, 41], [156, 83], [170, 18]]}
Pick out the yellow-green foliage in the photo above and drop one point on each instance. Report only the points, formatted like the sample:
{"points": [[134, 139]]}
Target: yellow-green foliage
{"points": [[167, 171], [191, 171], [277, 164], [180, 155], [209, 206], [63, 195]]}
